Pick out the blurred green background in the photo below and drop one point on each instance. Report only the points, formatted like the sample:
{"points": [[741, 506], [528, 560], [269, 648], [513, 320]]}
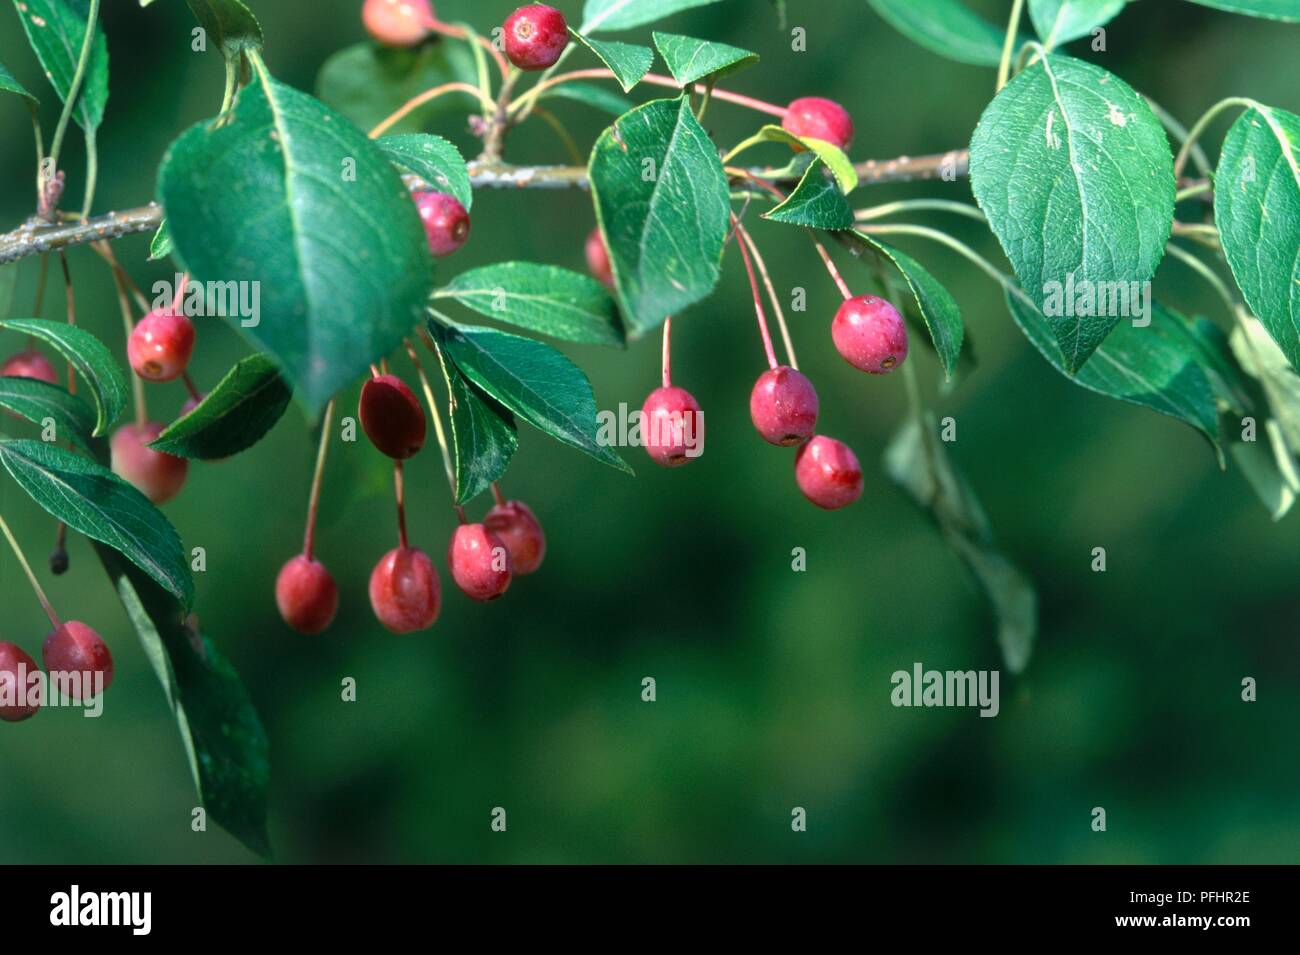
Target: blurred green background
{"points": [[773, 686]]}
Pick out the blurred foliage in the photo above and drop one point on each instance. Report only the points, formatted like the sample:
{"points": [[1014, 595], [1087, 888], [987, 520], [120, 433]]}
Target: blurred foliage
{"points": [[773, 686]]}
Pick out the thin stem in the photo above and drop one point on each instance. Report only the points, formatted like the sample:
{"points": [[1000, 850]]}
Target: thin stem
{"points": [[773, 299], [128, 326], [1179, 132], [1205, 272], [399, 486], [667, 352], [570, 146], [496, 494], [92, 173], [71, 314], [433, 406], [1191, 192], [426, 97], [232, 80], [1009, 44], [919, 205], [460, 33], [189, 386], [1203, 123], [654, 79], [70, 101], [313, 500], [758, 298], [830, 266], [36, 584], [944, 239]]}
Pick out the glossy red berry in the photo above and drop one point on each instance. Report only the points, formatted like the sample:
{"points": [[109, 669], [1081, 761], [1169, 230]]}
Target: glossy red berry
{"points": [[397, 22], [784, 406], [160, 346], [672, 426], [535, 36], [828, 473], [306, 595], [479, 562], [870, 334], [18, 670], [76, 654], [817, 118], [29, 364], [391, 416], [598, 259], [518, 528], [446, 223], [405, 592], [156, 475]]}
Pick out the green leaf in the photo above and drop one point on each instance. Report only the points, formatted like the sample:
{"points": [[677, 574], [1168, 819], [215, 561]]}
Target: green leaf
{"points": [[662, 202], [234, 416], [1257, 210], [917, 461], [1288, 10], [342, 265], [938, 308], [1075, 175], [834, 158], [816, 202], [483, 435], [1157, 366], [1260, 358], [629, 61], [534, 381], [10, 85], [1060, 21], [94, 501], [231, 24], [610, 15], [690, 59], [367, 83], [56, 32], [945, 27], [161, 245], [224, 741], [37, 400], [94, 362], [598, 97], [434, 160], [540, 298]]}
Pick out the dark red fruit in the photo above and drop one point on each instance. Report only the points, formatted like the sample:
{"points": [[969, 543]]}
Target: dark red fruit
{"points": [[784, 406], [391, 416], [306, 595], [446, 223], [156, 475], [521, 532], [817, 118], [29, 364], [397, 22], [405, 591], [77, 652], [535, 36], [598, 259], [17, 670], [672, 426], [828, 473], [160, 346], [479, 562], [870, 334]]}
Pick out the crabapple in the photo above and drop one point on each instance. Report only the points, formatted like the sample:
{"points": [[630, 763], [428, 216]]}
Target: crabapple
{"points": [[521, 532], [870, 334], [828, 473], [160, 346], [535, 36], [391, 416], [784, 406], [16, 666], [479, 562], [306, 595], [818, 118], [397, 22], [30, 364], [405, 592], [74, 648], [446, 223], [156, 474], [598, 259], [672, 426]]}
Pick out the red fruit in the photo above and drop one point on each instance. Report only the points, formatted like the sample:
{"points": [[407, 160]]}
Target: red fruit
{"points": [[17, 669], [535, 36], [158, 476], [521, 532], [391, 416], [598, 259], [306, 595], [672, 427], [446, 223], [818, 118], [479, 562], [76, 651], [870, 334], [784, 406], [29, 364], [828, 473], [405, 591], [397, 22], [160, 346]]}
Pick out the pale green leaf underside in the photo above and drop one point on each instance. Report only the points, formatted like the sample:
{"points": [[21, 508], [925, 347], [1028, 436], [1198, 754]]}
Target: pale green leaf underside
{"points": [[839, 164], [690, 59], [613, 15]]}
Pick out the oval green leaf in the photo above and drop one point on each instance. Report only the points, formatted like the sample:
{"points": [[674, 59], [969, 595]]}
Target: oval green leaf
{"points": [[10, 85], [612, 15], [92, 360], [233, 417], [483, 434], [628, 61], [1061, 21], [816, 202], [946, 27], [38, 400], [434, 160], [690, 59], [56, 32], [229, 24], [839, 164]]}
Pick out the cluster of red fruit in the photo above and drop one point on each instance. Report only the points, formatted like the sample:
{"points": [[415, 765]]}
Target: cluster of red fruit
{"points": [[533, 36], [73, 654]]}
